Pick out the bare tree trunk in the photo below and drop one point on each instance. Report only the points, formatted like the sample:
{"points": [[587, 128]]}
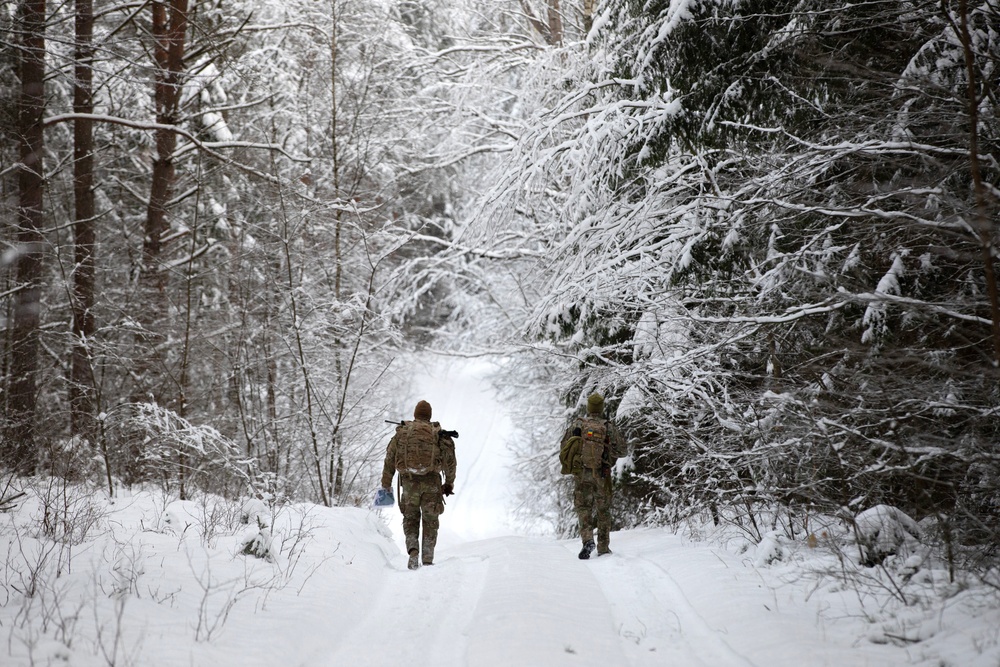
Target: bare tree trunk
{"points": [[588, 16], [552, 29], [983, 224], [81, 387], [21, 447], [555, 23], [336, 454], [169, 30], [540, 27], [185, 362], [318, 461]]}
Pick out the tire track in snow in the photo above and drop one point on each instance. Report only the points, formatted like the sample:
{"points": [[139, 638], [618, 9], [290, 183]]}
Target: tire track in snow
{"points": [[656, 620], [420, 619], [540, 607]]}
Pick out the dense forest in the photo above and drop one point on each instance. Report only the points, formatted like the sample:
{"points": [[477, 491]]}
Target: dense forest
{"points": [[767, 231]]}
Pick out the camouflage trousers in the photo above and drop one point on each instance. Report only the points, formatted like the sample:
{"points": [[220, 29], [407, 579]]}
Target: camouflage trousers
{"points": [[593, 492], [421, 502]]}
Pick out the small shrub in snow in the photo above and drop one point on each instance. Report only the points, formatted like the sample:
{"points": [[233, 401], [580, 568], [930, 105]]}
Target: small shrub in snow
{"points": [[258, 540], [259, 543], [145, 442], [884, 531], [178, 517], [255, 511], [770, 549]]}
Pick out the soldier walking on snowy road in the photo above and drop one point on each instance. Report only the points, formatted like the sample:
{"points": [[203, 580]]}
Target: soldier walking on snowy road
{"points": [[421, 451], [589, 449]]}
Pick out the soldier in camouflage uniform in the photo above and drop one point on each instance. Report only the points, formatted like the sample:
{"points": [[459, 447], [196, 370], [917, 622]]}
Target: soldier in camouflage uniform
{"points": [[592, 485], [422, 496]]}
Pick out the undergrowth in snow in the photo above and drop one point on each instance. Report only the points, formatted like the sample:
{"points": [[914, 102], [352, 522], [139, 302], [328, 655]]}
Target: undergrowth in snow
{"points": [[147, 579]]}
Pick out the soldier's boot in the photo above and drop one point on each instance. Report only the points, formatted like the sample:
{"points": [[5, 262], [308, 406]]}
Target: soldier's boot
{"points": [[427, 558], [602, 544], [413, 563], [588, 548]]}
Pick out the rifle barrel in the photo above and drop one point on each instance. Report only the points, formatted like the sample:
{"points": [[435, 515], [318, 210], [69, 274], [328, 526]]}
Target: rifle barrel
{"points": [[450, 434]]}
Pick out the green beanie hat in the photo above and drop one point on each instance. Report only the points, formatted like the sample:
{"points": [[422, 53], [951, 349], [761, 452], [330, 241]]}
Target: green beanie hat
{"points": [[422, 411], [595, 404]]}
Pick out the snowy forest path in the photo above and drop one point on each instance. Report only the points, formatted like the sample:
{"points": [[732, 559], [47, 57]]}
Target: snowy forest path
{"points": [[531, 596], [493, 597]]}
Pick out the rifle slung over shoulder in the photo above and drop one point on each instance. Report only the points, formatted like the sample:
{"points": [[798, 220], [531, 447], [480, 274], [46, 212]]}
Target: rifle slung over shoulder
{"points": [[401, 424]]}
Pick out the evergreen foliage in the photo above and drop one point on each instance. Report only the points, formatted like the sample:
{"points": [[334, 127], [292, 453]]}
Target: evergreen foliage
{"points": [[766, 246]]}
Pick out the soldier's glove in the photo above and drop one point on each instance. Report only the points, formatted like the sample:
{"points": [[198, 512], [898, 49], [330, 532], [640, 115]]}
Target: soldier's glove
{"points": [[446, 490]]}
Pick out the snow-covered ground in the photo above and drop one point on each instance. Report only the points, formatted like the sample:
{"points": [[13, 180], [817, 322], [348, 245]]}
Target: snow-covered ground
{"points": [[156, 582]]}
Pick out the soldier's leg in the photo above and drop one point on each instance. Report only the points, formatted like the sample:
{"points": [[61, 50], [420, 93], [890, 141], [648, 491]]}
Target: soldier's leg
{"points": [[409, 505], [431, 507], [583, 503], [603, 502]]}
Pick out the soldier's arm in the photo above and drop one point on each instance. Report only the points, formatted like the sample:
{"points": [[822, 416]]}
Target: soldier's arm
{"points": [[389, 466], [449, 463], [618, 446]]}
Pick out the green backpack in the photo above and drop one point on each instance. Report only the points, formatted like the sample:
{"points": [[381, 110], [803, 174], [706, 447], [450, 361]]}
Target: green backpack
{"points": [[569, 453]]}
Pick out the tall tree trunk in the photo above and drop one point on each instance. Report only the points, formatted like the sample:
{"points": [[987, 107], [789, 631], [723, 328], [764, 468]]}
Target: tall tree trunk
{"points": [[983, 224], [21, 446], [555, 23], [336, 454], [552, 28], [169, 29], [81, 388]]}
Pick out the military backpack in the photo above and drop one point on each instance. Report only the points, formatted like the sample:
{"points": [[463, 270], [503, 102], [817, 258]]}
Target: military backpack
{"points": [[587, 447], [594, 433], [417, 447]]}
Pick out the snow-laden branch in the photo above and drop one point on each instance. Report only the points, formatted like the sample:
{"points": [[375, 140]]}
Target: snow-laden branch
{"points": [[433, 161], [478, 252], [881, 297], [211, 148], [875, 147], [790, 315], [852, 212]]}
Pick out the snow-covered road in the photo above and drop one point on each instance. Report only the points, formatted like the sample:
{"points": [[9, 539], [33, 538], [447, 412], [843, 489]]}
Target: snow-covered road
{"points": [[495, 598], [529, 601]]}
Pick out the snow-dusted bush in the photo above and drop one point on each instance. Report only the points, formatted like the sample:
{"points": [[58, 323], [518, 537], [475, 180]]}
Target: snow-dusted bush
{"points": [[257, 539], [884, 531], [145, 442]]}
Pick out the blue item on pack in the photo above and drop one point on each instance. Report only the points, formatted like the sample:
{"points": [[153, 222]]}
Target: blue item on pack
{"points": [[383, 498]]}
